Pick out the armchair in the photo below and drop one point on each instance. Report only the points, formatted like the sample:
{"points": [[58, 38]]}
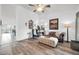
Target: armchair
{"points": [[61, 37]]}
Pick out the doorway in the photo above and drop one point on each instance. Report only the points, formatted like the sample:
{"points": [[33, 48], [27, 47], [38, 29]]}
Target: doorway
{"points": [[77, 27], [8, 33]]}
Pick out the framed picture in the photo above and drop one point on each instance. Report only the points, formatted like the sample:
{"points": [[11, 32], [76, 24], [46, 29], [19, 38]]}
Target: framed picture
{"points": [[53, 24], [30, 24]]}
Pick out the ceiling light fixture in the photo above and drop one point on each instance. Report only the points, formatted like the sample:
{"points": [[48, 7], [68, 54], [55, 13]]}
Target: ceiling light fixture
{"points": [[39, 7]]}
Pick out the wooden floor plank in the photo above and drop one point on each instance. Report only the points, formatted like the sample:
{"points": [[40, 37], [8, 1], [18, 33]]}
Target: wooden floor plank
{"points": [[33, 47]]}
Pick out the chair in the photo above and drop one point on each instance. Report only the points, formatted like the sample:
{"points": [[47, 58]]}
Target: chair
{"points": [[61, 37]]}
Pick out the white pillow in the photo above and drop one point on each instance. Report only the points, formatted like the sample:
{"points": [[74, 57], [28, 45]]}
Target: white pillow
{"points": [[51, 38]]}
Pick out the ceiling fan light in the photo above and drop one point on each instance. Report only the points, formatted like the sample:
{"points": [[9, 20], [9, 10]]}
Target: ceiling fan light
{"points": [[39, 9]]}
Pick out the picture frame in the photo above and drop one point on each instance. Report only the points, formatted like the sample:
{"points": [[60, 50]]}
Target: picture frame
{"points": [[53, 24], [30, 24]]}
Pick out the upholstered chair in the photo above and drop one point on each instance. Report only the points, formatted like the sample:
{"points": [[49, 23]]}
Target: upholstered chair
{"points": [[61, 37]]}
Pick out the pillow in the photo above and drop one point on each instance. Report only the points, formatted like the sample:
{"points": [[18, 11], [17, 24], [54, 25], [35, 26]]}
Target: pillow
{"points": [[51, 38]]}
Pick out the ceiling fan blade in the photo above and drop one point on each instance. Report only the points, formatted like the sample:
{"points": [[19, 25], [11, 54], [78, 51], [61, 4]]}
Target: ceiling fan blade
{"points": [[48, 6], [43, 11], [34, 10], [30, 4]]}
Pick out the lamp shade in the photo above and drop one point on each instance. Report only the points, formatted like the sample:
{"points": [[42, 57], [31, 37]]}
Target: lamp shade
{"points": [[67, 24]]}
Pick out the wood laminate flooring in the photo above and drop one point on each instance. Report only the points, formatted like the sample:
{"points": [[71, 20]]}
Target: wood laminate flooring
{"points": [[33, 47]]}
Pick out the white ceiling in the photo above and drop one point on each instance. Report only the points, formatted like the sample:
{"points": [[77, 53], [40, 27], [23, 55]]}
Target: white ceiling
{"points": [[52, 5]]}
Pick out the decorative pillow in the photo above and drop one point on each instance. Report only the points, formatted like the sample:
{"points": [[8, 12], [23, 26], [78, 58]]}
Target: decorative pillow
{"points": [[51, 38]]}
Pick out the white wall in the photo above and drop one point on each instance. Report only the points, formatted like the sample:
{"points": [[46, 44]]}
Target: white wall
{"points": [[18, 15], [0, 11], [0, 26], [64, 13], [8, 14], [23, 15]]}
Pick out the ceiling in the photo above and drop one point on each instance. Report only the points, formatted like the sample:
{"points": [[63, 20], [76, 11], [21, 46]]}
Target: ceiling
{"points": [[29, 7], [53, 6]]}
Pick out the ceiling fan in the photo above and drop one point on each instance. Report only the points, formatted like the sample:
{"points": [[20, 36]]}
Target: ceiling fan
{"points": [[39, 7]]}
